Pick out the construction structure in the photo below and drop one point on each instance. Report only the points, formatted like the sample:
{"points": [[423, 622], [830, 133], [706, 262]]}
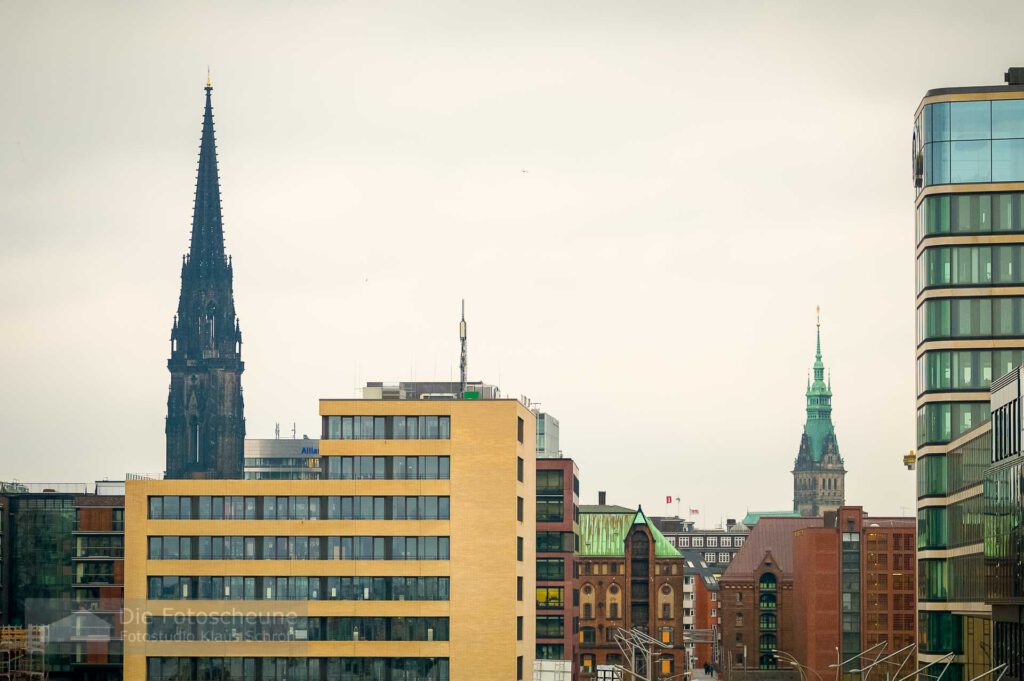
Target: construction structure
{"points": [[22, 654]]}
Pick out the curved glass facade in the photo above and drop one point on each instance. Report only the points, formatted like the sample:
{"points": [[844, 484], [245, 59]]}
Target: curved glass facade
{"points": [[942, 318], [940, 422], [969, 214], [944, 370], [980, 141], [947, 266], [931, 476]]}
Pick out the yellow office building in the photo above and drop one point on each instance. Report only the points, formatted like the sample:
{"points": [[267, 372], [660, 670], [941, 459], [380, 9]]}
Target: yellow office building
{"points": [[412, 560]]}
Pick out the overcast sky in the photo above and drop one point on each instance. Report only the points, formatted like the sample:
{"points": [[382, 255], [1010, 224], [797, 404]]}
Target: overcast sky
{"points": [[699, 176]]}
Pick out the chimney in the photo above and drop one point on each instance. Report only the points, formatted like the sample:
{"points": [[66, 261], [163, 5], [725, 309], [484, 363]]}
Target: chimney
{"points": [[601, 498], [730, 523]]}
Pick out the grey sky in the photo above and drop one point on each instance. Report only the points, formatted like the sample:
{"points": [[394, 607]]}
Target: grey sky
{"points": [[701, 175]]}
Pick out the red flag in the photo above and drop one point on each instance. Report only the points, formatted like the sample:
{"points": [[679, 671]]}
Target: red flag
{"points": [[668, 499], [694, 511]]}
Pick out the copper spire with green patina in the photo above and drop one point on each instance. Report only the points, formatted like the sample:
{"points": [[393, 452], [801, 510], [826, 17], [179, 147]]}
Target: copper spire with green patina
{"points": [[819, 433]]}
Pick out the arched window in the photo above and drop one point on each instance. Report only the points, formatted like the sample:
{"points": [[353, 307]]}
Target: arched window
{"points": [[767, 621], [614, 602], [768, 582], [665, 605], [768, 601], [587, 663], [587, 599]]}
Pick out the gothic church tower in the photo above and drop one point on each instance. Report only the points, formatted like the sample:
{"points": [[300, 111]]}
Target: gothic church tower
{"points": [[819, 479], [205, 423]]}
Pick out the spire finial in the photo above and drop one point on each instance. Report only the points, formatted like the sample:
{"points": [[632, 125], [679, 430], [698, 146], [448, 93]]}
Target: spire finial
{"points": [[209, 83], [818, 308]]}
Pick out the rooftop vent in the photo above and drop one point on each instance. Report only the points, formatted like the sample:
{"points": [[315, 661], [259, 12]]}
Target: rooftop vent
{"points": [[1014, 75]]}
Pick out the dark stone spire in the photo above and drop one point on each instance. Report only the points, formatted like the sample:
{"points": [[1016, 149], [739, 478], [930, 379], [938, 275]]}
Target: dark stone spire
{"points": [[207, 248], [205, 423]]}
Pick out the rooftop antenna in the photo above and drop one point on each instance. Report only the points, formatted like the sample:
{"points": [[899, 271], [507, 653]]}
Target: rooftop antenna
{"points": [[293, 430], [277, 430], [462, 340]]}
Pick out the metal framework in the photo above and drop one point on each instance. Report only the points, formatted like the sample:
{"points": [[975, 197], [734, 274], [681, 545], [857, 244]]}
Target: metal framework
{"points": [[637, 645], [917, 674], [22, 654]]}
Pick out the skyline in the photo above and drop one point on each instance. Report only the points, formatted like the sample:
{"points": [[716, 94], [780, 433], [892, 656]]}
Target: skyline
{"points": [[360, 212]]}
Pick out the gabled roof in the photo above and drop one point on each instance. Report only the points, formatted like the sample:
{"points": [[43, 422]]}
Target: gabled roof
{"points": [[603, 533], [772, 534]]}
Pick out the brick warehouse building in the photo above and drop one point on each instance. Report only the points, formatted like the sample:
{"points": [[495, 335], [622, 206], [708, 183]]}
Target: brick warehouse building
{"points": [[630, 577], [756, 598], [855, 582]]}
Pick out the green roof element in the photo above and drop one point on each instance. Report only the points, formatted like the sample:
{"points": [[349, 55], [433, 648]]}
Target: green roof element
{"points": [[604, 534], [753, 516], [820, 434]]}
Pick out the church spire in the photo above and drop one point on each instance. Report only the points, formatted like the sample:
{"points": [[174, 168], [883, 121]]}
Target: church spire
{"points": [[206, 251], [205, 420]]}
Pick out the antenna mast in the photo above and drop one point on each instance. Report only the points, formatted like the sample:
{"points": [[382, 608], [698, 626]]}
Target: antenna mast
{"points": [[462, 359]]}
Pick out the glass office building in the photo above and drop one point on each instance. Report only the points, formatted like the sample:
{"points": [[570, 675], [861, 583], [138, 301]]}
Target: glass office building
{"points": [[968, 166]]}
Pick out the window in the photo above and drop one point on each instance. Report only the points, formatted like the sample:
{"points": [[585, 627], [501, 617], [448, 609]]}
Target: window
{"points": [[519, 548], [698, 542], [723, 557], [519, 659], [519, 628], [709, 557], [519, 588], [519, 509], [519, 430], [588, 635], [550, 482], [519, 467], [739, 542], [550, 597], [550, 510], [550, 569], [726, 542], [712, 542], [684, 542]]}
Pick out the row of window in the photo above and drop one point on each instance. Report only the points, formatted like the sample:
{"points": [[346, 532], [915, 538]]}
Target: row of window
{"points": [[225, 628], [299, 548], [281, 462], [973, 161], [971, 317], [557, 542], [977, 120], [1006, 431], [387, 427], [940, 422], [961, 578], [958, 524], [297, 668], [970, 266], [1004, 538], [387, 467], [964, 369], [699, 542], [969, 214], [269, 588], [300, 508]]}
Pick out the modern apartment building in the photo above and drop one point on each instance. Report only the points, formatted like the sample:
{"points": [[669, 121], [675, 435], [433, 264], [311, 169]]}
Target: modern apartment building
{"points": [[277, 459], [969, 180], [412, 559], [558, 490], [630, 577], [1004, 525], [854, 587], [62, 548]]}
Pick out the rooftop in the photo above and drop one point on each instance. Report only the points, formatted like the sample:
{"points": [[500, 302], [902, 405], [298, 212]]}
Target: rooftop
{"points": [[603, 533], [773, 534], [753, 517]]}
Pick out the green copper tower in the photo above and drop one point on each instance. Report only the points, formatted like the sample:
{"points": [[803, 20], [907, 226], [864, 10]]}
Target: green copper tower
{"points": [[819, 478]]}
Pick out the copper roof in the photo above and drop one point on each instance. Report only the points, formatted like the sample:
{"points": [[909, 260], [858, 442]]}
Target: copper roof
{"points": [[769, 534]]}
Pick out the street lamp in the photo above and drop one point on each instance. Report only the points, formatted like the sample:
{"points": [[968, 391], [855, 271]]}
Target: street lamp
{"points": [[791, 659], [866, 671]]}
